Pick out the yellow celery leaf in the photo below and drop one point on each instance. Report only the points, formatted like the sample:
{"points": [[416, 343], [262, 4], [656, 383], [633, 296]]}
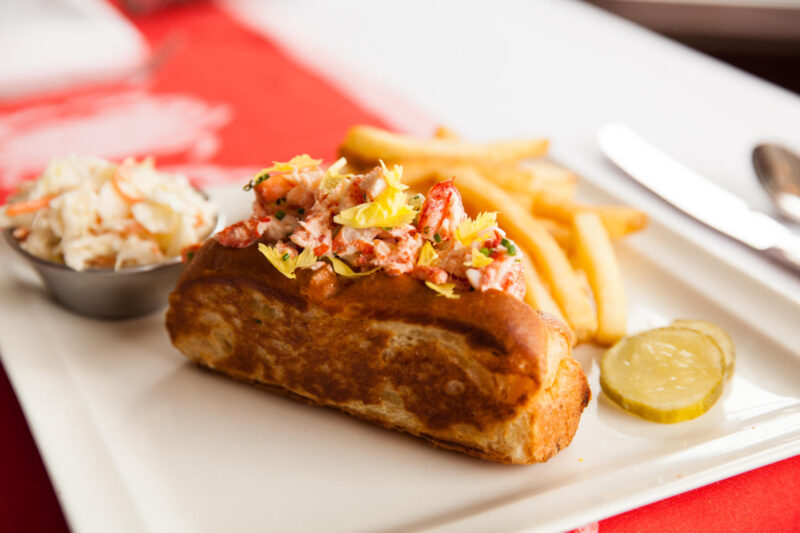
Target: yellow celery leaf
{"points": [[427, 256], [478, 260], [393, 177], [297, 162], [332, 178], [343, 269], [445, 289], [390, 208], [283, 261], [337, 165], [471, 230], [387, 214]]}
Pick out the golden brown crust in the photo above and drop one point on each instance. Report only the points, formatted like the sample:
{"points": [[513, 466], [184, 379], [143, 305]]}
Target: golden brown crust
{"points": [[484, 374]]}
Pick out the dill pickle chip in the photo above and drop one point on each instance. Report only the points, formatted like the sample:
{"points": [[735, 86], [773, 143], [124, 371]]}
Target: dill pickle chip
{"points": [[666, 375], [720, 336]]}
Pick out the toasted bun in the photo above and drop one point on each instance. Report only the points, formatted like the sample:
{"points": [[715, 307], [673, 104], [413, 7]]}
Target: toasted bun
{"points": [[484, 374]]}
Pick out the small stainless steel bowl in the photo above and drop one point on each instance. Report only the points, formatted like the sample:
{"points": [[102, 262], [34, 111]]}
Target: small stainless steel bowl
{"points": [[105, 292]]}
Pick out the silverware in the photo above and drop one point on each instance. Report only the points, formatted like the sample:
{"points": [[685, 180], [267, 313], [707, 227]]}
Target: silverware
{"points": [[778, 170], [697, 196]]}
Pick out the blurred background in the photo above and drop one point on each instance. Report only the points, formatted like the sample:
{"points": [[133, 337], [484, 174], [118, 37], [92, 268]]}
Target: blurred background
{"points": [[79, 41], [759, 36]]}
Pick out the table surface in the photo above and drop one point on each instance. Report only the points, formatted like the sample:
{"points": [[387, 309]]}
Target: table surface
{"points": [[558, 68]]}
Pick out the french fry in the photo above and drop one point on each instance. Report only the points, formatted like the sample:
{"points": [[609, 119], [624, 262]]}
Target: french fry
{"points": [[552, 180], [605, 278], [526, 184], [509, 176], [419, 172], [562, 233], [366, 143], [549, 170], [618, 221], [424, 171], [443, 132], [536, 293], [525, 188], [551, 261]]}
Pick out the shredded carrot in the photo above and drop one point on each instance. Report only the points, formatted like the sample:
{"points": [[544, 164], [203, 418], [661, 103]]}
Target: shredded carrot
{"points": [[134, 227], [115, 182], [28, 206]]}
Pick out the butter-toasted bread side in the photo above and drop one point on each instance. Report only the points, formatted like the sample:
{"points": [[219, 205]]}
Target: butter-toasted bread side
{"points": [[484, 374]]}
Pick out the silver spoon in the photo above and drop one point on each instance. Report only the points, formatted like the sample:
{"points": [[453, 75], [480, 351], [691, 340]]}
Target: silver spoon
{"points": [[778, 170]]}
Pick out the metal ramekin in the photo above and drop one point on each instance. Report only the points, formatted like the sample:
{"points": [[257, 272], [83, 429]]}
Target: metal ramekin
{"points": [[105, 292]]}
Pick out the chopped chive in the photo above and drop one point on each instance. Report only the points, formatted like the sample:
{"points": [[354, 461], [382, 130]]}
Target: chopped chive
{"points": [[255, 181], [280, 214], [437, 238], [512, 250], [285, 256], [300, 211], [426, 229], [387, 229], [484, 251]]}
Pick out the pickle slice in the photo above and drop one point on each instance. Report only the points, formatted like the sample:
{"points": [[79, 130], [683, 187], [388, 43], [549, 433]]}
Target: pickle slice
{"points": [[666, 375], [720, 336]]}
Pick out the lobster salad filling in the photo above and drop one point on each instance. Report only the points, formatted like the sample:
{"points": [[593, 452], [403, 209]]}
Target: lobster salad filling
{"points": [[308, 216]]}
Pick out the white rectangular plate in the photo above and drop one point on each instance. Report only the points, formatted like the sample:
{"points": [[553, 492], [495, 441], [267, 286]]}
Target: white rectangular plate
{"points": [[137, 438]]}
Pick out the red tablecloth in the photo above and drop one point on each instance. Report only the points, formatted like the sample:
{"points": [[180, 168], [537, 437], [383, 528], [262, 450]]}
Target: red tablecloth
{"points": [[275, 109]]}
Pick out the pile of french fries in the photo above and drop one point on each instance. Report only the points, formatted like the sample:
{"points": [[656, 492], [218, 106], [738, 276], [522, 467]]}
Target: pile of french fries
{"points": [[571, 269]]}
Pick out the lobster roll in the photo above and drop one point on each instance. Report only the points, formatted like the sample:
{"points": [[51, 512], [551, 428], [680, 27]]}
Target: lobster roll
{"points": [[344, 291]]}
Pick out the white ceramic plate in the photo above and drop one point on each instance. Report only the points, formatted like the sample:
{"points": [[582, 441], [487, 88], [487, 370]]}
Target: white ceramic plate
{"points": [[136, 438]]}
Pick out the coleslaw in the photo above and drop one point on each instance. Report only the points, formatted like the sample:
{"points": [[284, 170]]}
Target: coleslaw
{"points": [[88, 212]]}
